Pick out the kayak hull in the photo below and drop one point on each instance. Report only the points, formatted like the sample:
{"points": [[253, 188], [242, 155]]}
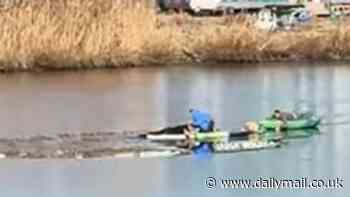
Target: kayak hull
{"points": [[308, 123], [166, 137], [223, 147], [199, 137], [290, 134], [240, 146]]}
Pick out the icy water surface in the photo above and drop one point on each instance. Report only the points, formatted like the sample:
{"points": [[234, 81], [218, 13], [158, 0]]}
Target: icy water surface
{"points": [[143, 98]]}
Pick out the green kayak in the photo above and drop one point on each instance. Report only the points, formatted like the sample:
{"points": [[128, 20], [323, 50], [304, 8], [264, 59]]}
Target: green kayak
{"points": [[290, 134], [304, 121]]}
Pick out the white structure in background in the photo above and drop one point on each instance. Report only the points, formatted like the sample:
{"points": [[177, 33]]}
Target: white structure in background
{"points": [[229, 6], [317, 7], [204, 5], [267, 20], [253, 4], [328, 7], [340, 7]]}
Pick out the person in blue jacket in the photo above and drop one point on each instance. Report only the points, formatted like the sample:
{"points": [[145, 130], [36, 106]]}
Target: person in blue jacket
{"points": [[201, 122]]}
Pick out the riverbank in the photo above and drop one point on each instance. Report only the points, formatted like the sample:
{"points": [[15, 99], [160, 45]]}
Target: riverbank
{"points": [[76, 34]]}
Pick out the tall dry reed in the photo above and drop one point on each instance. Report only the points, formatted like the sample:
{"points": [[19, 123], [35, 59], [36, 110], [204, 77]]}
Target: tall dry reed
{"points": [[75, 33], [55, 34]]}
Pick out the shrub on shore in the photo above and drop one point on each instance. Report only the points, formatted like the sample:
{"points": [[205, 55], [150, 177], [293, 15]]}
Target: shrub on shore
{"points": [[60, 34]]}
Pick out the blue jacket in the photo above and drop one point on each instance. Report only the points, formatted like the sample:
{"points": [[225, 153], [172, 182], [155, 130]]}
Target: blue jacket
{"points": [[201, 119], [203, 148]]}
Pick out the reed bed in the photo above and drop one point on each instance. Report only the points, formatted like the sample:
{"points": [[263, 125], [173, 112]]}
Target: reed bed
{"points": [[73, 34]]}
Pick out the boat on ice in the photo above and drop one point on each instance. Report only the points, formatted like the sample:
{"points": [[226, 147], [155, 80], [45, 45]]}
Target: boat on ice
{"points": [[303, 121]]}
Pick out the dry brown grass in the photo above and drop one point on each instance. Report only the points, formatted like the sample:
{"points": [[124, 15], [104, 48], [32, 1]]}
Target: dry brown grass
{"points": [[56, 34], [74, 33]]}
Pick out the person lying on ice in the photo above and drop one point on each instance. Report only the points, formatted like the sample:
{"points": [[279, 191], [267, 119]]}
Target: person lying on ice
{"points": [[201, 122]]}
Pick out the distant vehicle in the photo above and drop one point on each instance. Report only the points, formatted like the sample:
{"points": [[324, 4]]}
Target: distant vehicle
{"points": [[174, 5], [198, 6], [299, 16], [340, 9], [232, 6]]}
